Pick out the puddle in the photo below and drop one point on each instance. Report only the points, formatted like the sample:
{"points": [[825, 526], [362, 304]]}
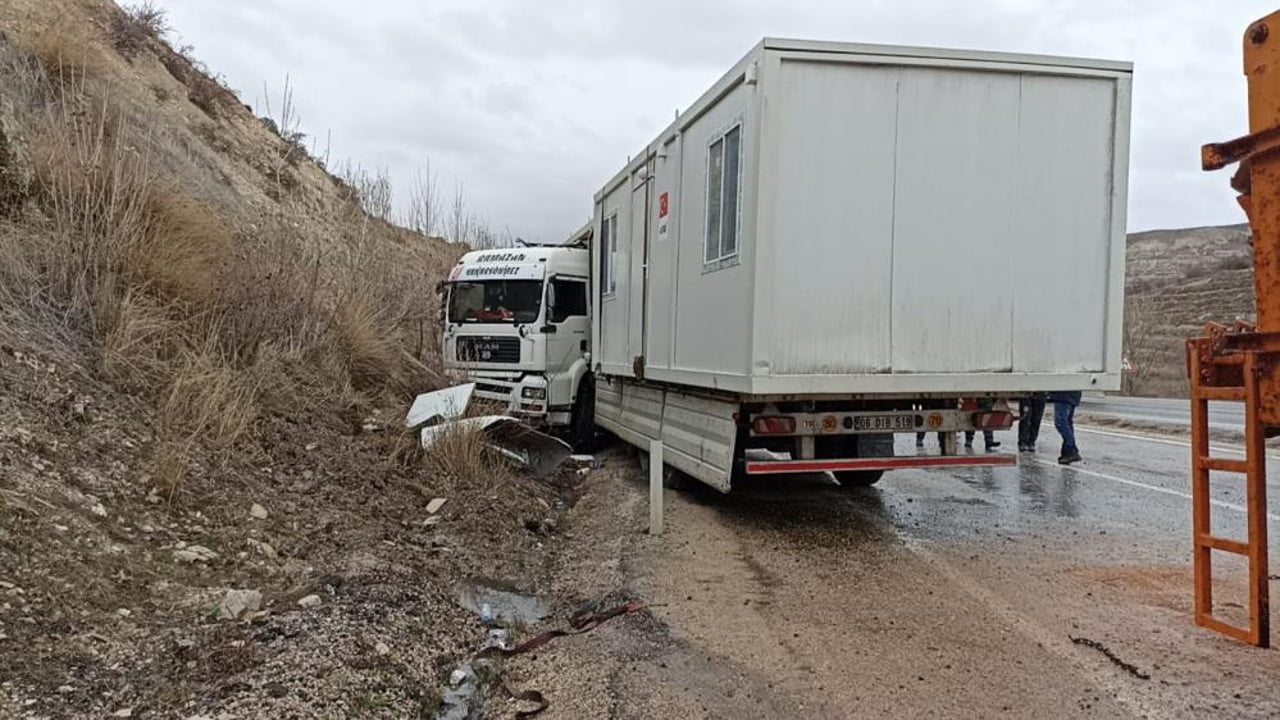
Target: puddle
{"points": [[508, 604], [464, 696]]}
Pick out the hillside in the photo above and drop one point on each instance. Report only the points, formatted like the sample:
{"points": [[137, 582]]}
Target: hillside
{"points": [[1178, 280], [206, 348]]}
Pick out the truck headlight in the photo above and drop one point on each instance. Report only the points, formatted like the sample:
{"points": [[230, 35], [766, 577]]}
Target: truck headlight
{"points": [[534, 393]]}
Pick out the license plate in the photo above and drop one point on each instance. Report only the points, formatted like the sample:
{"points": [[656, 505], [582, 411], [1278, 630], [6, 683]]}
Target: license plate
{"points": [[887, 423]]}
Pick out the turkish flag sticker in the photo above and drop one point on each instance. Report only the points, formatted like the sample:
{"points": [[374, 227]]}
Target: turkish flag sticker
{"points": [[664, 205]]}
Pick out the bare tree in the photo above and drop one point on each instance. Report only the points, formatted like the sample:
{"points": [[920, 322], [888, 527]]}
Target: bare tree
{"points": [[459, 220], [482, 238], [424, 202], [372, 190]]}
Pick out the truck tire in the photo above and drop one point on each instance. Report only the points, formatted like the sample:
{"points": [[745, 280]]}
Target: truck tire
{"points": [[583, 430], [858, 478]]}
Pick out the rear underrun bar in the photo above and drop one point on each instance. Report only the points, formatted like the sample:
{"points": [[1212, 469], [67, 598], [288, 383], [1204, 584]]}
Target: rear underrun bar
{"points": [[776, 467]]}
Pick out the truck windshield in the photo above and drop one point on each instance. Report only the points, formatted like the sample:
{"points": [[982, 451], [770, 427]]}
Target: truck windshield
{"points": [[518, 301]]}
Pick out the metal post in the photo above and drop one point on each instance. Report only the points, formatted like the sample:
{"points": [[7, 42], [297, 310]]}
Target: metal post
{"points": [[1256, 494], [1202, 554], [656, 466]]}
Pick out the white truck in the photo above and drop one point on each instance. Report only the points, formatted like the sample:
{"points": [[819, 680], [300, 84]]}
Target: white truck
{"points": [[838, 243], [516, 322]]}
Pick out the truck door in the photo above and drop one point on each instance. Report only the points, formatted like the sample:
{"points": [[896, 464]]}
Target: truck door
{"points": [[566, 332]]}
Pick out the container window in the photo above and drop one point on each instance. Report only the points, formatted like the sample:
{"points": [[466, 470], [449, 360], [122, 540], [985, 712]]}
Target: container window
{"points": [[609, 255], [724, 168], [571, 300], [715, 196]]}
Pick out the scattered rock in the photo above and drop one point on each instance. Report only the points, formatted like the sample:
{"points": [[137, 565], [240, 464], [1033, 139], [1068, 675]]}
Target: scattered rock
{"points": [[312, 446], [236, 602], [257, 511], [309, 601], [433, 520], [125, 713], [382, 648], [263, 548], [457, 677], [124, 612], [434, 506], [153, 497], [7, 585], [65, 689], [147, 529], [194, 553], [99, 509]]}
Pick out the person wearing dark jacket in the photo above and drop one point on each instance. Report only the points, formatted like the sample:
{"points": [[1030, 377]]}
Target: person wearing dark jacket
{"points": [[1030, 413], [1064, 419]]}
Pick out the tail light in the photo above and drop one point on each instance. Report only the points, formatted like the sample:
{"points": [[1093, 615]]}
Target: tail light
{"points": [[993, 420], [774, 425]]}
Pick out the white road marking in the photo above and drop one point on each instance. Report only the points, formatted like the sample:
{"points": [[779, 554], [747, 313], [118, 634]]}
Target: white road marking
{"points": [[1145, 486], [1233, 449]]}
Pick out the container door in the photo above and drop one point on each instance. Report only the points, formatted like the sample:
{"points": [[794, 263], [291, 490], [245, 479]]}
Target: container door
{"points": [[640, 190]]}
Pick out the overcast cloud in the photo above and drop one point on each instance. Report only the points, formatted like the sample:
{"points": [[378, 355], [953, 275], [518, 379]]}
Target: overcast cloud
{"points": [[533, 105]]}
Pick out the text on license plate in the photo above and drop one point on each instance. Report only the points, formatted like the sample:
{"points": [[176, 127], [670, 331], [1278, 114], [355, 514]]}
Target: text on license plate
{"points": [[884, 422]]}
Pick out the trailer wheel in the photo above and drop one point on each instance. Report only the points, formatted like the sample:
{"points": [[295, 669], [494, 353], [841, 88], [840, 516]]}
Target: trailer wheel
{"points": [[584, 417], [858, 478]]}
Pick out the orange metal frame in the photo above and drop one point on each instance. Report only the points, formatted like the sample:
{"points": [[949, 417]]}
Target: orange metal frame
{"points": [[1242, 363]]}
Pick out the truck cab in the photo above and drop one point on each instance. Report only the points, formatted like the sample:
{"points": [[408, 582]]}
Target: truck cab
{"points": [[516, 322]]}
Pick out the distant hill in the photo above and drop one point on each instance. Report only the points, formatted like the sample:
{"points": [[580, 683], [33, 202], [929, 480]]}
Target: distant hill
{"points": [[1178, 280]]}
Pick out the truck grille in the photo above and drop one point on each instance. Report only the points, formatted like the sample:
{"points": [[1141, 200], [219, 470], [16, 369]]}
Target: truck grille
{"points": [[489, 349]]}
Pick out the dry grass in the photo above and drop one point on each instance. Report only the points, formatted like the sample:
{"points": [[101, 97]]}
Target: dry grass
{"points": [[67, 53], [217, 327], [369, 338], [464, 463]]}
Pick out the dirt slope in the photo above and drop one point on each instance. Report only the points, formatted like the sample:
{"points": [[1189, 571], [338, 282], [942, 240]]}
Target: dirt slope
{"points": [[1178, 280], [206, 349]]}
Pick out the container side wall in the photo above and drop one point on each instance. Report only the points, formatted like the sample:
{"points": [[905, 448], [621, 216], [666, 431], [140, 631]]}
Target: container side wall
{"points": [[954, 234], [832, 128], [713, 315], [1062, 255]]}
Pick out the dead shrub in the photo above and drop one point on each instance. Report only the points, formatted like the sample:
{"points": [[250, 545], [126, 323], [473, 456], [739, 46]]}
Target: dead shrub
{"points": [[67, 53], [138, 339], [183, 246], [464, 462], [367, 335], [94, 188], [135, 26], [208, 399]]}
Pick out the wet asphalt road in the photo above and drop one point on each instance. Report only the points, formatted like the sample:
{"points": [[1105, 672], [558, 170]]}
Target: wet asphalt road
{"points": [[1030, 591], [1163, 411]]}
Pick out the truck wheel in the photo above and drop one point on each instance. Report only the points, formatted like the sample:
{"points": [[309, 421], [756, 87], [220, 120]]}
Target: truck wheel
{"points": [[584, 418], [858, 478]]}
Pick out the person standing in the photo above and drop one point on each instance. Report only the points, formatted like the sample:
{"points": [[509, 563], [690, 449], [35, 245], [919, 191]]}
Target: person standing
{"points": [[1064, 419], [1030, 414]]}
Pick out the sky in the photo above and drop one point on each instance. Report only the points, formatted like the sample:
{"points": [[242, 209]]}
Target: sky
{"points": [[530, 107]]}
